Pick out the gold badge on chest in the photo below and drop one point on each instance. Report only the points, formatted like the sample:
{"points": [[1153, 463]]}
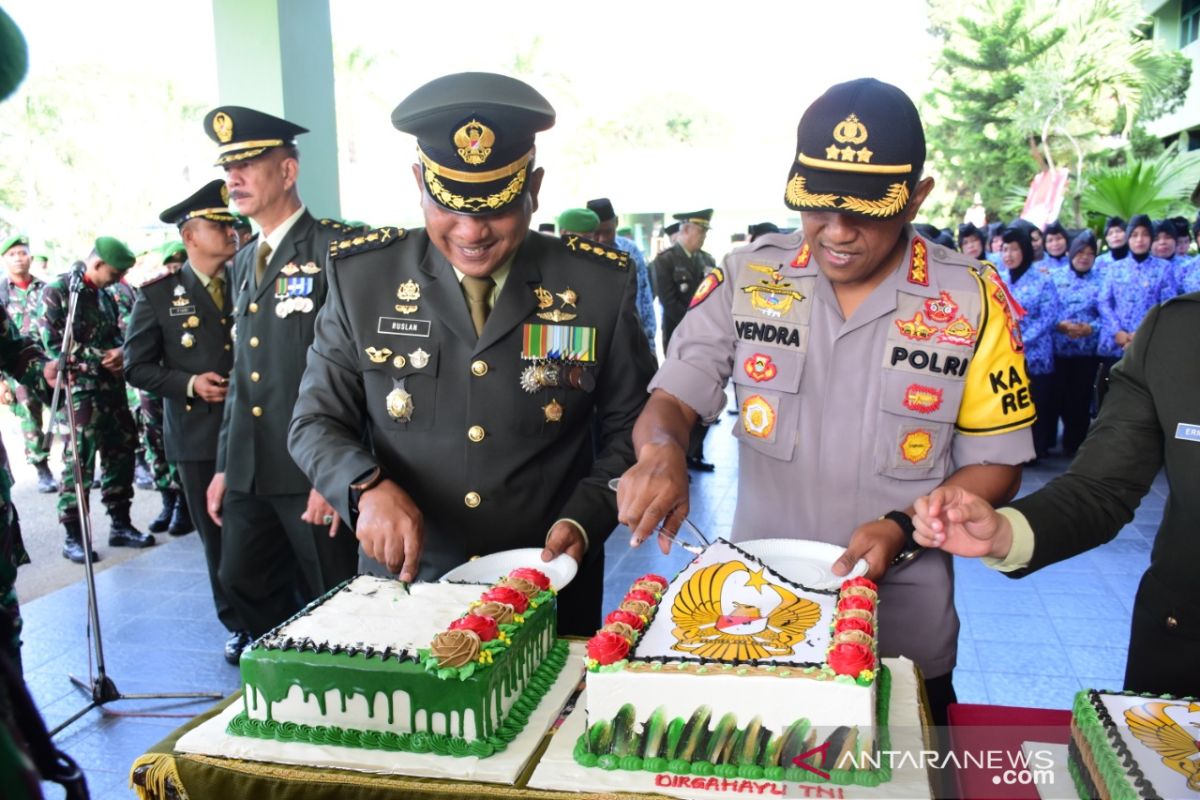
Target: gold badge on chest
{"points": [[409, 292], [545, 303], [399, 404]]}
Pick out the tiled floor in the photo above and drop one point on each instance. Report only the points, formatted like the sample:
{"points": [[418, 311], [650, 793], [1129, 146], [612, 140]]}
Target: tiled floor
{"points": [[1032, 642]]}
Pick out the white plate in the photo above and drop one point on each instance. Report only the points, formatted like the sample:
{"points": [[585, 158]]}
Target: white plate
{"points": [[802, 561], [489, 569]]}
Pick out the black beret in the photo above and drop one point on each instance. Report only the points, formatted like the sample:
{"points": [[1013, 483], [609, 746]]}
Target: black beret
{"points": [[244, 133], [475, 134], [210, 202], [860, 149]]}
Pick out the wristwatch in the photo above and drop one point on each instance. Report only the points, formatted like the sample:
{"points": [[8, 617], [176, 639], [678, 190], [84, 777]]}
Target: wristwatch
{"points": [[911, 549], [368, 481]]}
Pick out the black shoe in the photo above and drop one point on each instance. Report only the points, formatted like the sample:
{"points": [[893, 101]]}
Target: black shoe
{"points": [[46, 482], [235, 644], [163, 521], [181, 521], [73, 545], [699, 464], [142, 478], [123, 534]]}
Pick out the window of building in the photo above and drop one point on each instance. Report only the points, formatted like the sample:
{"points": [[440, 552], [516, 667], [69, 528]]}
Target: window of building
{"points": [[1189, 22]]}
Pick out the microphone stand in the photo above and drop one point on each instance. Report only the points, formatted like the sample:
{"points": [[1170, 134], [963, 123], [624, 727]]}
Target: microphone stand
{"points": [[100, 686]]}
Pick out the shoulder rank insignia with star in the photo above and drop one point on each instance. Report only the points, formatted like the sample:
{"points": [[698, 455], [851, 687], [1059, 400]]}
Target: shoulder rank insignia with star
{"points": [[608, 255], [368, 240]]}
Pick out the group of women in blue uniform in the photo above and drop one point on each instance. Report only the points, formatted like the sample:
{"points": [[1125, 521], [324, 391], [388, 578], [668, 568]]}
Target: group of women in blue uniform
{"points": [[1081, 301]]}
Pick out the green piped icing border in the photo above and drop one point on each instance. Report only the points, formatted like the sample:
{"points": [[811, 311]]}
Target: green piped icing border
{"points": [[422, 741], [1096, 734], [840, 777], [495, 646]]}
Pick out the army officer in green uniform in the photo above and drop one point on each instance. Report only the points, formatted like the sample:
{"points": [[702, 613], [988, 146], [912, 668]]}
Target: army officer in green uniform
{"points": [[178, 347], [448, 405], [274, 523]]}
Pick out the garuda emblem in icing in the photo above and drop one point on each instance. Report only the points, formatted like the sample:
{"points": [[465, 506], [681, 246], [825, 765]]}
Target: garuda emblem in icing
{"points": [[726, 612], [1160, 726]]}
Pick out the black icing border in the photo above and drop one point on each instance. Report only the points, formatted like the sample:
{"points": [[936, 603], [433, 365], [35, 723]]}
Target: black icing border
{"points": [[1141, 784], [736, 662]]}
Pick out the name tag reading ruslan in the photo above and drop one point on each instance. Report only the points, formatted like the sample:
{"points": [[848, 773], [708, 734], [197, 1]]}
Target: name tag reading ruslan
{"points": [[1187, 431], [395, 326]]}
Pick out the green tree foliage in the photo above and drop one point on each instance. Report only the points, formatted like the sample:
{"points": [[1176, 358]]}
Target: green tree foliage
{"points": [[1159, 187], [1026, 85]]}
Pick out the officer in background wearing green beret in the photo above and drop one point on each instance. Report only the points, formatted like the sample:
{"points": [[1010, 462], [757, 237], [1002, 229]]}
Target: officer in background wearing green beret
{"points": [[578, 222], [104, 424], [281, 545], [459, 370], [179, 348], [21, 296]]}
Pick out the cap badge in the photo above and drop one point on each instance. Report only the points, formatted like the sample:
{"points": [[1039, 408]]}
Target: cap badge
{"points": [[224, 194], [849, 131], [474, 141], [223, 127]]}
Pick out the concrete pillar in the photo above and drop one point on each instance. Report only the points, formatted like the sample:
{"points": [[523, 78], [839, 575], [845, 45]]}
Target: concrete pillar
{"points": [[277, 56]]}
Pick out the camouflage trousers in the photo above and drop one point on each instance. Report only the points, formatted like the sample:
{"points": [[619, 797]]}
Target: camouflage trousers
{"points": [[106, 428], [12, 555], [30, 411], [150, 409]]}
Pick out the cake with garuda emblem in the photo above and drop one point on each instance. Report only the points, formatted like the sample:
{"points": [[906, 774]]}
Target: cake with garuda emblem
{"points": [[730, 669]]}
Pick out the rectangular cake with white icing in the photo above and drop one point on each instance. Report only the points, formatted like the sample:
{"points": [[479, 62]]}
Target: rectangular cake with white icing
{"points": [[731, 669], [447, 668]]}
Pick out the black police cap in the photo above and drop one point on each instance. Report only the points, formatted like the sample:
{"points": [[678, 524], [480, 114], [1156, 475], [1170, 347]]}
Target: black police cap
{"points": [[243, 133], [475, 134], [860, 149], [211, 202]]}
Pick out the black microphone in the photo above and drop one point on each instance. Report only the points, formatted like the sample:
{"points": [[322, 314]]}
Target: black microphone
{"points": [[75, 283]]}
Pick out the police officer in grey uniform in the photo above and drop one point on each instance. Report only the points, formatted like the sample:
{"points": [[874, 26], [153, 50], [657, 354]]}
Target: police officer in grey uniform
{"points": [[178, 347], [870, 366], [273, 520], [448, 406]]}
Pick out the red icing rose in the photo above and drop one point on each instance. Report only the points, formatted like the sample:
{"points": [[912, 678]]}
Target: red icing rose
{"points": [[532, 575], [652, 578], [856, 601], [850, 659], [628, 617], [607, 647], [853, 624], [640, 594], [867, 582], [485, 627], [503, 594]]}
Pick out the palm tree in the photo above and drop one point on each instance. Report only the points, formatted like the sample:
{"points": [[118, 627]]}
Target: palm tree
{"points": [[1155, 187]]}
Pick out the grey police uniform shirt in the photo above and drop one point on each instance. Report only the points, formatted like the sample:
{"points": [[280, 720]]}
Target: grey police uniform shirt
{"points": [[842, 420]]}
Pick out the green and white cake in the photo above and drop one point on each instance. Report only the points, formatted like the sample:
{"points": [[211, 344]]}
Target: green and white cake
{"points": [[445, 668]]}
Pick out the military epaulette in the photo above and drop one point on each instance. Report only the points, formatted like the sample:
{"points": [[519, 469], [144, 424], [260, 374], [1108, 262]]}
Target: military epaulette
{"points": [[370, 240], [155, 277], [608, 255], [333, 223]]}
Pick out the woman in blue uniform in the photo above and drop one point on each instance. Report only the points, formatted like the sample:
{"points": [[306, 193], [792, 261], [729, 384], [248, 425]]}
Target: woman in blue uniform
{"points": [[1114, 237], [1131, 287], [1056, 247], [1034, 291], [1075, 338]]}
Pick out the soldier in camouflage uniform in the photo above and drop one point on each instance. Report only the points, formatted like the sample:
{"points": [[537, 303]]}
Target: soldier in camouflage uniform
{"points": [[20, 294], [104, 424], [147, 410]]}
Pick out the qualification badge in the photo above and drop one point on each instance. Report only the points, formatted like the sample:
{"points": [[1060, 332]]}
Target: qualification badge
{"points": [[289, 269], [180, 297], [545, 300], [400, 404], [378, 355], [310, 268], [409, 292], [187, 340], [419, 358]]}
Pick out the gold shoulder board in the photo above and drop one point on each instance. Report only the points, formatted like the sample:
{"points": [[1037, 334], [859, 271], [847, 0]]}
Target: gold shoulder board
{"points": [[367, 240], [608, 255]]}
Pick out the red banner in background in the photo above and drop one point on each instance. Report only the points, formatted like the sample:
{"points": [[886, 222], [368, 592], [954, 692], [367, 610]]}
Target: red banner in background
{"points": [[1046, 193]]}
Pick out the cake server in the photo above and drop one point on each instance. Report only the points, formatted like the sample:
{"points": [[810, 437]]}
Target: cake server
{"points": [[694, 549]]}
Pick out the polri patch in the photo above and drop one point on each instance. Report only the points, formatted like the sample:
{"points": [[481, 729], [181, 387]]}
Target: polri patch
{"points": [[916, 446], [758, 417], [922, 399], [707, 286], [1187, 430], [760, 367], [395, 326]]}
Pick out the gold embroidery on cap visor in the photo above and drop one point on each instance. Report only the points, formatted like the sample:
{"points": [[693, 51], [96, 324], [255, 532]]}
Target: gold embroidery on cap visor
{"points": [[892, 203], [457, 202], [212, 214]]}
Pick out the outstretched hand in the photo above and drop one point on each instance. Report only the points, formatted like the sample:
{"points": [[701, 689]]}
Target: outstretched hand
{"points": [[961, 523]]}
